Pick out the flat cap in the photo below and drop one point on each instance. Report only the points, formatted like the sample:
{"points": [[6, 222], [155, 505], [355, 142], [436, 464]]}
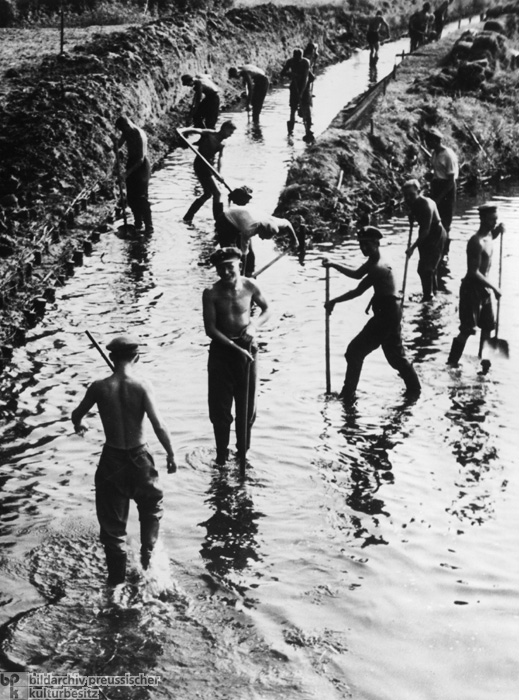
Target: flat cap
{"points": [[123, 344], [369, 233], [433, 131], [487, 206], [223, 255]]}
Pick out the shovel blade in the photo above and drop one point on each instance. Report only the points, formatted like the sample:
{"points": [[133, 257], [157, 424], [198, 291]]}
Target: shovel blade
{"points": [[498, 346]]}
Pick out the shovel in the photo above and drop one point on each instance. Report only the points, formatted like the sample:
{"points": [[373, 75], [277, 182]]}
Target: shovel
{"points": [[496, 344]]}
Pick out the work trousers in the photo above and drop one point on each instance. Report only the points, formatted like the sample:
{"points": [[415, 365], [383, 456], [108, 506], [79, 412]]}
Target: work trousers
{"points": [[383, 329], [259, 92], [123, 475], [475, 308], [446, 204], [431, 252], [210, 189], [231, 378], [137, 192], [206, 114]]}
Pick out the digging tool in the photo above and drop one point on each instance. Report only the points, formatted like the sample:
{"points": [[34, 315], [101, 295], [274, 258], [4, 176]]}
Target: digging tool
{"points": [[99, 349], [126, 228], [245, 437], [406, 265], [209, 165], [497, 344], [265, 267], [327, 331]]}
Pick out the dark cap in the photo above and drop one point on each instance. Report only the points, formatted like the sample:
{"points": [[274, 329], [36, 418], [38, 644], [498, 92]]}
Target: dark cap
{"points": [[488, 206], [433, 131], [123, 345], [369, 233], [241, 195], [223, 255]]}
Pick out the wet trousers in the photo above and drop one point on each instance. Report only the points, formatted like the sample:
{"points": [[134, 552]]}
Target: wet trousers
{"points": [[124, 475], [259, 92], [209, 189], [446, 205], [206, 114], [230, 376], [137, 193], [383, 329], [431, 252]]}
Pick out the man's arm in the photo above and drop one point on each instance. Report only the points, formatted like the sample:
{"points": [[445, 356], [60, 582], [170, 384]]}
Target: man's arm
{"points": [[89, 400], [474, 253], [423, 217], [287, 227], [302, 79], [211, 329], [363, 286], [160, 428], [357, 274], [261, 302]]}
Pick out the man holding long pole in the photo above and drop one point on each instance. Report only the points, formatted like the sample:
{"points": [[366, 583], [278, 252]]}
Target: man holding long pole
{"points": [[232, 365]]}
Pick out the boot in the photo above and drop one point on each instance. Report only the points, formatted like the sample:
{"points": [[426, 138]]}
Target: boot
{"points": [[290, 127], [456, 352], [116, 564], [149, 537], [413, 387]]}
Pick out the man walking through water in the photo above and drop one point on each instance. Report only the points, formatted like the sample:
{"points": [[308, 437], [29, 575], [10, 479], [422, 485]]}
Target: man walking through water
{"points": [[209, 146], [384, 328], [138, 171], [376, 24], [301, 80], [431, 236], [126, 469], [475, 306], [232, 365]]}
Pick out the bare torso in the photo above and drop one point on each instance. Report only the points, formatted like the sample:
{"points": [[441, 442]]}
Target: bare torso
{"points": [[137, 143], [381, 276], [232, 306], [121, 403]]}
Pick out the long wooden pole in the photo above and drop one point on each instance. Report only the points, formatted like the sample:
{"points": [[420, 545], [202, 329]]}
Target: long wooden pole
{"points": [[99, 349], [406, 265], [327, 332], [211, 167], [121, 189]]}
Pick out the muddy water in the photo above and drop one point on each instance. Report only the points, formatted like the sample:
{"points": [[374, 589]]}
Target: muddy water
{"points": [[370, 552]]}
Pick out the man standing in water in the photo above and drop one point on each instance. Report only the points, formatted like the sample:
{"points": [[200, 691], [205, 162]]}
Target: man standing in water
{"points": [[256, 86], [301, 80], [384, 328], [138, 171], [126, 469], [445, 171], [475, 307], [431, 236], [205, 106], [376, 24], [209, 146], [232, 369]]}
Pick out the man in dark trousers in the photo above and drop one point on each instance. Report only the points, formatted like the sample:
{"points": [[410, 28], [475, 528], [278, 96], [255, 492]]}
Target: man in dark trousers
{"points": [[375, 26], [445, 171], [431, 236], [210, 145], [205, 106], [475, 307], [256, 86], [384, 328], [301, 80], [126, 469], [232, 369], [138, 171]]}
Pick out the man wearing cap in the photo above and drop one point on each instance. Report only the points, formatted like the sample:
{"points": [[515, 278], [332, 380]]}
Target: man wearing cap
{"points": [[237, 225], [232, 361], [384, 328], [205, 107], [210, 145], [445, 171], [475, 306], [126, 469], [138, 171], [256, 86], [431, 236]]}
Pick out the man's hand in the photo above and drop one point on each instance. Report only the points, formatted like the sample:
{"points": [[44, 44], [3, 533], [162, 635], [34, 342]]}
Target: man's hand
{"points": [[171, 464], [80, 428], [326, 263], [410, 250], [497, 293], [498, 230], [329, 306], [246, 353]]}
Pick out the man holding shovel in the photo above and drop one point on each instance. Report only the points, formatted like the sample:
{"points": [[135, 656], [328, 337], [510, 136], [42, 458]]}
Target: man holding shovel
{"points": [[232, 354], [138, 171], [209, 146], [475, 307]]}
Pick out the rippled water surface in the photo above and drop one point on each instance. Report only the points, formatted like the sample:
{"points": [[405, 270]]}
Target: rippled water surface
{"points": [[370, 554]]}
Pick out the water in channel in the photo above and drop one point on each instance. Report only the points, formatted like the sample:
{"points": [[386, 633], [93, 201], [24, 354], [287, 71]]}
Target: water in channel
{"points": [[369, 554]]}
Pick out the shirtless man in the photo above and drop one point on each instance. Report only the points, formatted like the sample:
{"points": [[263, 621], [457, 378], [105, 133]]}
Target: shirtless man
{"points": [[205, 107], [431, 236], [301, 79], [126, 469], [138, 171], [256, 86], [383, 329], [475, 307], [239, 223], [376, 24], [209, 146], [232, 365]]}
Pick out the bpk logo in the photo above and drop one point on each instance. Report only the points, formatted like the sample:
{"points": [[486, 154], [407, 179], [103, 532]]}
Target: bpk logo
{"points": [[13, 686]]}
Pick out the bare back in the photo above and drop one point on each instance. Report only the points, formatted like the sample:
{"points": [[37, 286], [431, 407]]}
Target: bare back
{"points": [[479, 254], [121, 401]]}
